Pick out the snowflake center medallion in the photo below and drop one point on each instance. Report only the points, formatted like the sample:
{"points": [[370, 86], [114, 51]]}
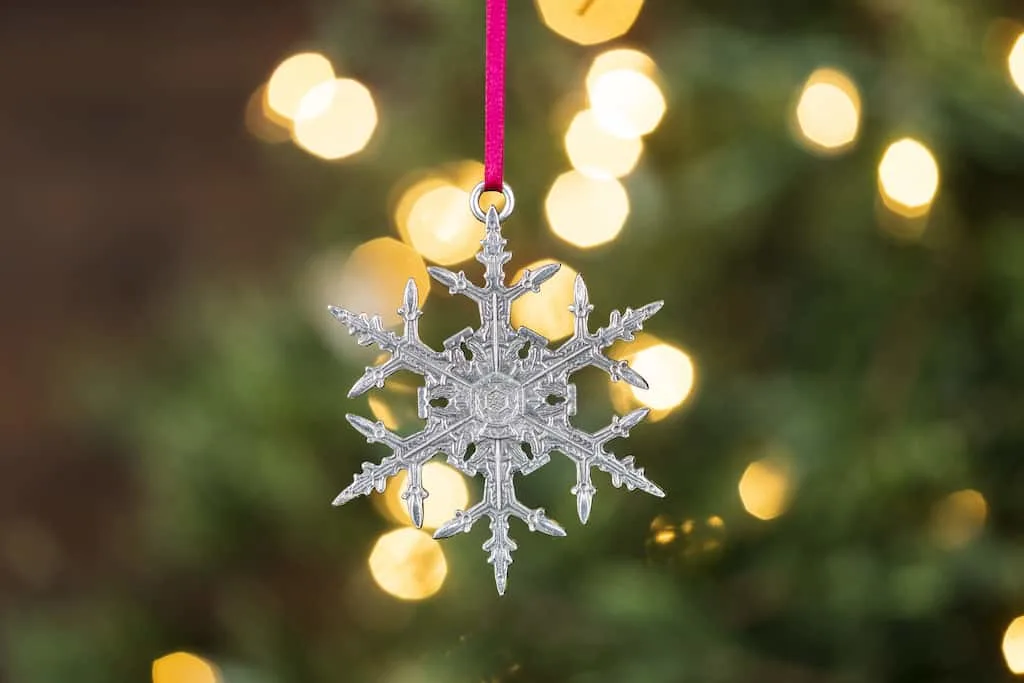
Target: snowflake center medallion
{"points": [[497, 401]]}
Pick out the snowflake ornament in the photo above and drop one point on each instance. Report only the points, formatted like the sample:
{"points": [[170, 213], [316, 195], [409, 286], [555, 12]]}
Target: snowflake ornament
{"points": [[496, 400]]}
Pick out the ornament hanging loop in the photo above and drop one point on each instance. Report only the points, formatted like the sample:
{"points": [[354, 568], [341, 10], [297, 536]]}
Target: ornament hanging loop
{"points": [[480, 214]]}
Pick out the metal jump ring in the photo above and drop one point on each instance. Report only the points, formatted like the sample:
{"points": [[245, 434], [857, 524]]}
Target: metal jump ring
{"points": [[480, 214]]}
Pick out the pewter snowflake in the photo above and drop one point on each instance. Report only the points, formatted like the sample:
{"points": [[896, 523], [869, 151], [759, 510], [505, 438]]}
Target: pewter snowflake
{"points": [[497, 401]]}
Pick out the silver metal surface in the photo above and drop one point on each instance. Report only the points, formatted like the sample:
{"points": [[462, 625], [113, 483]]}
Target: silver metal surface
{"points": [[478, 212], [497, 400]]}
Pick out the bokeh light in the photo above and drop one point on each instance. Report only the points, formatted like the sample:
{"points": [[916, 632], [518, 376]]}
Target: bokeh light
{"points": [[335, 119], [448, 493], [439, 225], [620, 59], [373, 278], [702, 537], [694, 539], [596, 152], [432, 212], [547, 311], [182, 667], [626, 103], [765, 488], [958, 518], [585, 211], [828, 111], [1015, 62], [1013, 645], [670, 385], [908, 178], [669, 374], [663, 530], [264, 123], [588, 22], [294, 78], [408, 564]]}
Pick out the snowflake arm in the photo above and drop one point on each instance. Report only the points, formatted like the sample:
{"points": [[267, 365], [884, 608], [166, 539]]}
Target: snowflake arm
{"points": [[457, 283], [409, 454], [408, 352], [500, 462], [587, 452], [531, 280], [583, 348]]}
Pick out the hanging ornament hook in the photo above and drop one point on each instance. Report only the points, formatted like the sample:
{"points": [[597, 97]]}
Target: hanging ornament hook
{"points": [[480, 214]]}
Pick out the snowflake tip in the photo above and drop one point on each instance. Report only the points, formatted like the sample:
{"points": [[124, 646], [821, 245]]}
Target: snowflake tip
{"points": [[581, 297], [629, 375], [442, 275], [373, 431], [538, 521], [454, 282], [631, 419], [343, 497], [645, 484], [533, 279], [410, 309], [462, 521], [414, 503], [365, 383], [651, 308], [583, 503]]}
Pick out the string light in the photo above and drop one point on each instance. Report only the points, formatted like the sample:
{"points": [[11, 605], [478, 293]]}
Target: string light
{"points": [[828, 112], [182, 667], [586, 211], [908, 178], [597, 153], [1015, 62], [448, 493], [293, 78], [626, 103], [588, 22], [335, 119], [408, 564], [547, 311], [958, 518], [765, 488], [373, 278], [1013, 645]]}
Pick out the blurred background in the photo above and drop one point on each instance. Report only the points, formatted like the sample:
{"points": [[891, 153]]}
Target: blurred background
{"points": [[827, 195]]}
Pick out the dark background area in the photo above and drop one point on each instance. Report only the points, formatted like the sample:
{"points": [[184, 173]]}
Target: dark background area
{"points": [[129, 172]]}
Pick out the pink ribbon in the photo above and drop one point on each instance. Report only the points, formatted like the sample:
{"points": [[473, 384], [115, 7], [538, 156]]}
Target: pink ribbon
{"points": [[494, 94]]}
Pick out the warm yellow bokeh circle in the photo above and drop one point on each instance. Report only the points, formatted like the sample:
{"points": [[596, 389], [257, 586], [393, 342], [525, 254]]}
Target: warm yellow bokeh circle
{"points": [[588, 22], [408, 564]]}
